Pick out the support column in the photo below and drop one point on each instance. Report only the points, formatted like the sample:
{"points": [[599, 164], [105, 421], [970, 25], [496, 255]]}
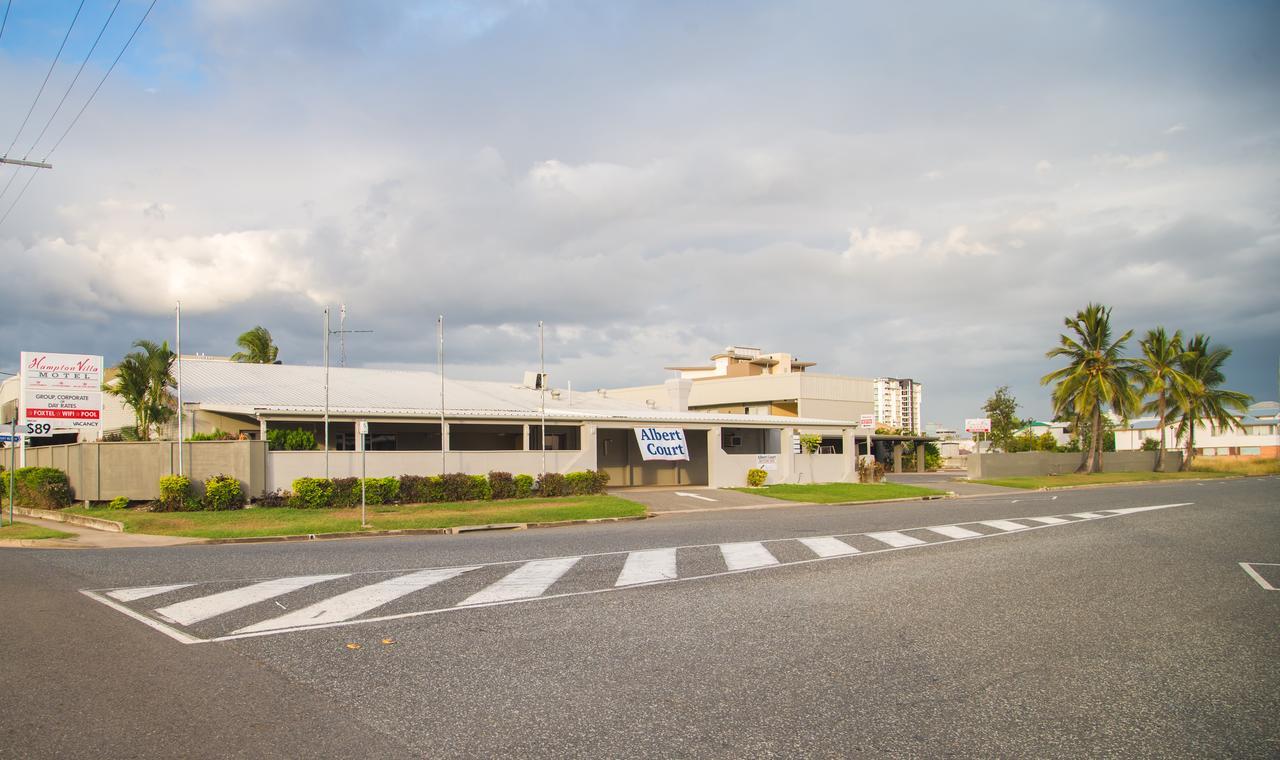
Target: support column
{"points": [[920, 452], [850, 448], [897, 457], [786, 456]]}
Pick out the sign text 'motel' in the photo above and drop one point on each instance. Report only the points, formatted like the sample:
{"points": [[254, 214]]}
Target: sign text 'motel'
{"points": [[662, 443]]}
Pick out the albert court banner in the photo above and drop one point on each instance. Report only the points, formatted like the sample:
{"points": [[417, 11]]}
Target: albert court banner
{"points": [[662, 443], [63, 390]]}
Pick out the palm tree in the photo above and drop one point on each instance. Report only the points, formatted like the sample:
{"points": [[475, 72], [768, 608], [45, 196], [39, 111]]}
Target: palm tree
{"points": [[142, 383], [258, 348], [1096, 377], [1163, 378], [1205, 401]]}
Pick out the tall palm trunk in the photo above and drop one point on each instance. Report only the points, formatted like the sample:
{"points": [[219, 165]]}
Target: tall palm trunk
{"points": [[1095, 464], [1191, 445], [1160, 451]]}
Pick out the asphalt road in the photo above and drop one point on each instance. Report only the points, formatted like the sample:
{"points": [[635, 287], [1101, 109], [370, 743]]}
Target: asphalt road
{"points": [[1132, 634]]}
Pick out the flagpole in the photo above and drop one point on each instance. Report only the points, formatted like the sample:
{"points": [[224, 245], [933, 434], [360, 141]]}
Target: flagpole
{"points": [[542, 384], [326, 392], [440, 361], [177, 309]]}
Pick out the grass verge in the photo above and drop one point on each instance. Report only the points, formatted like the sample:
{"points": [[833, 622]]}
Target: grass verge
{"points": [[1069, 481], [26, 532], [837, 493], [292, 522], [1253, 467]]}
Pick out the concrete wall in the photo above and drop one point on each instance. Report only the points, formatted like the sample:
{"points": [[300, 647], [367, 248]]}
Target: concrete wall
{"points": [[1048, 463], [103, 471]]}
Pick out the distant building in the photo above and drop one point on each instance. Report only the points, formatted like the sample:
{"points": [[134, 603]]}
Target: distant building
{"points": [[898, 403], [746, 380], [1257, 436], [1061, 431]]}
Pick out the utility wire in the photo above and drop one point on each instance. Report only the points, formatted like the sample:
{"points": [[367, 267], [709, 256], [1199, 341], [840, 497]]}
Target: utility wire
{"points": [[102, 81], [5, 20], [65, 37], [81, 111], [74, 79]]}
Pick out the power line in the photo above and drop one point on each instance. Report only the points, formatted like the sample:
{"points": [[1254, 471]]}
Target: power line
{"points": [[102, 81], [74, 79], [80, 113], [49, 73], [5, 20]]}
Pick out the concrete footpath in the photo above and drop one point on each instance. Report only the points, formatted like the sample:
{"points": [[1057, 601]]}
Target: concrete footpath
{"points": [[87, 538], [953, 481]]}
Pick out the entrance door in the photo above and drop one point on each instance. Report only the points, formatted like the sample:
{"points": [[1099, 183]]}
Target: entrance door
{"points": [[612, 446]]}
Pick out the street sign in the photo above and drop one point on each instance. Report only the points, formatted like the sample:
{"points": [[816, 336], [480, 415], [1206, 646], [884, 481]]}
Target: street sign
{"points": [[7, 438], [62, 391], [978, 425], [364, 427], [867, 421]]}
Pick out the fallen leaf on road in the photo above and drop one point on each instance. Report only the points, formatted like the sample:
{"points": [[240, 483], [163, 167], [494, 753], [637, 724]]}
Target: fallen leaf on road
{"points": [[353, 646]]}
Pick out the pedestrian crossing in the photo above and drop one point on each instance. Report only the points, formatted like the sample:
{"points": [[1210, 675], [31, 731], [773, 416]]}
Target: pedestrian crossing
{"points": [[194, 612]]}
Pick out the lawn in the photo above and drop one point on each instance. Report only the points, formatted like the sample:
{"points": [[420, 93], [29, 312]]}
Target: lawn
{"points": [[1237, 466], [1068, 481], [26, 532], [839, 493], [292, 522]]}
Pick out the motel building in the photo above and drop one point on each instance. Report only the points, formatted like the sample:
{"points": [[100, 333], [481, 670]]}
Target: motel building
{"points": [[498, 426]]}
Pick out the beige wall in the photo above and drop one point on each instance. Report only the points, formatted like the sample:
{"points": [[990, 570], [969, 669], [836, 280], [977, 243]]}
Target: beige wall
{"points": [[1050, 463], [283, 467], [103, 471]]}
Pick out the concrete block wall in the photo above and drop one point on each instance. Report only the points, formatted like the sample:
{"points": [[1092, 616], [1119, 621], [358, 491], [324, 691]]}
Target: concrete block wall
{"points": [[1033, 463]]}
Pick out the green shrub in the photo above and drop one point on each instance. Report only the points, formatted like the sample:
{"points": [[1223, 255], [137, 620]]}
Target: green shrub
{"points": [[552, 484], [296, 439], [810, 443], [175, 494], [501, 485], [223, 492], [415, 489], [312, 493], [480, 490], [39, 487], [459, 486], [216, 435], [381, 490], [346, 492], [1150, 444], [119, 502], [586, 482], [524, 486], [756, 477]]}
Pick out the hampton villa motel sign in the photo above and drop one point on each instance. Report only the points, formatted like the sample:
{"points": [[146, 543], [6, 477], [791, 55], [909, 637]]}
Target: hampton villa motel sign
{"points": [[61, 390]]}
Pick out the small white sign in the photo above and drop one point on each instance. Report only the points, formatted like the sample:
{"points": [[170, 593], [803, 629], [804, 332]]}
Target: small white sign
{"points": [[662, 443], [364, 427], [867, 421], [978, 425], [768, 462]]}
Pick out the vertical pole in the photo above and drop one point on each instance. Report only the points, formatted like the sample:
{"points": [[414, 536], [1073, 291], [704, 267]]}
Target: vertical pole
{"points": [[326, 391], [440, 360], [177, 310], [13, 433], [542, 384], [364, 446]]}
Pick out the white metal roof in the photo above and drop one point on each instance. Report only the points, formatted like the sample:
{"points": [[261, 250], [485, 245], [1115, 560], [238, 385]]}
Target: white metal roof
{"points": [[294, 389]]}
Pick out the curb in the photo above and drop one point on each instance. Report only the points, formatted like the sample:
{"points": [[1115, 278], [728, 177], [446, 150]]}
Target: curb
{"points": [[1085, 486], [454, 531], [783, 504], [84, 521]]}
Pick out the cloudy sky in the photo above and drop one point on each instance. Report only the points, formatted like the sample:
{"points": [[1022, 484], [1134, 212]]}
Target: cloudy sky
{"points": [[919, 191]]}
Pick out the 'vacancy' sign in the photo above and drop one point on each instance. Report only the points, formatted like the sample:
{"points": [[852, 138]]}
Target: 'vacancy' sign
{"points": [[662, 443]]}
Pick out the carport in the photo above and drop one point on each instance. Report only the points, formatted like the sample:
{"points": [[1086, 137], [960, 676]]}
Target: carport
{"points": [[618, 454]]}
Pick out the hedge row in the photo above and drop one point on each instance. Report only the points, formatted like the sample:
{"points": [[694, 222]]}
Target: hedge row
{"points": [[178, 494], [320, 493], [38, 487]]}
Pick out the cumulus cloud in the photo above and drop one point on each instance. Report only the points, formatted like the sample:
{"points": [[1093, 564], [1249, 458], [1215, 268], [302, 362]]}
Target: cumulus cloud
{"points": [[653, 187]]}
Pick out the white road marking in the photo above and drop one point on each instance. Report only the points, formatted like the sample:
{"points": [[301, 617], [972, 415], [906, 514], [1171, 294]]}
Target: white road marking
{"points": [[827, 546], [954, 531], [894, 538], [525, 582], [694, 496], [1248, 568], [1087, 515], [142, 592], [1047, 520], [358, 601], [746, 555], [205, 607], [185, 638], [648, 566], [1003, 524]]}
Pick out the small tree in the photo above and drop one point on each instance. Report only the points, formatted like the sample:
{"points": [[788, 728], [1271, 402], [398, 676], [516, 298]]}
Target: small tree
{"points": [[1205, 401], [142, 382], [258, 347], [1002, 408]]}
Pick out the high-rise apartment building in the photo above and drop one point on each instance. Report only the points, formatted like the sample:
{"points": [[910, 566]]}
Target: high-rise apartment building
{"points": [[898, 403]]}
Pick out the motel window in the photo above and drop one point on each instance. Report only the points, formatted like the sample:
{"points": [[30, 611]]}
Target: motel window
{"points": [[558, 437], [478, 437]]}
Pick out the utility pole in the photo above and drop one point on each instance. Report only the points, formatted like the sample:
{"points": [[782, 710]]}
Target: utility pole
{"points": [[440, 360], [22, 162], [542, 384], [177, 312], [327, 333]]}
